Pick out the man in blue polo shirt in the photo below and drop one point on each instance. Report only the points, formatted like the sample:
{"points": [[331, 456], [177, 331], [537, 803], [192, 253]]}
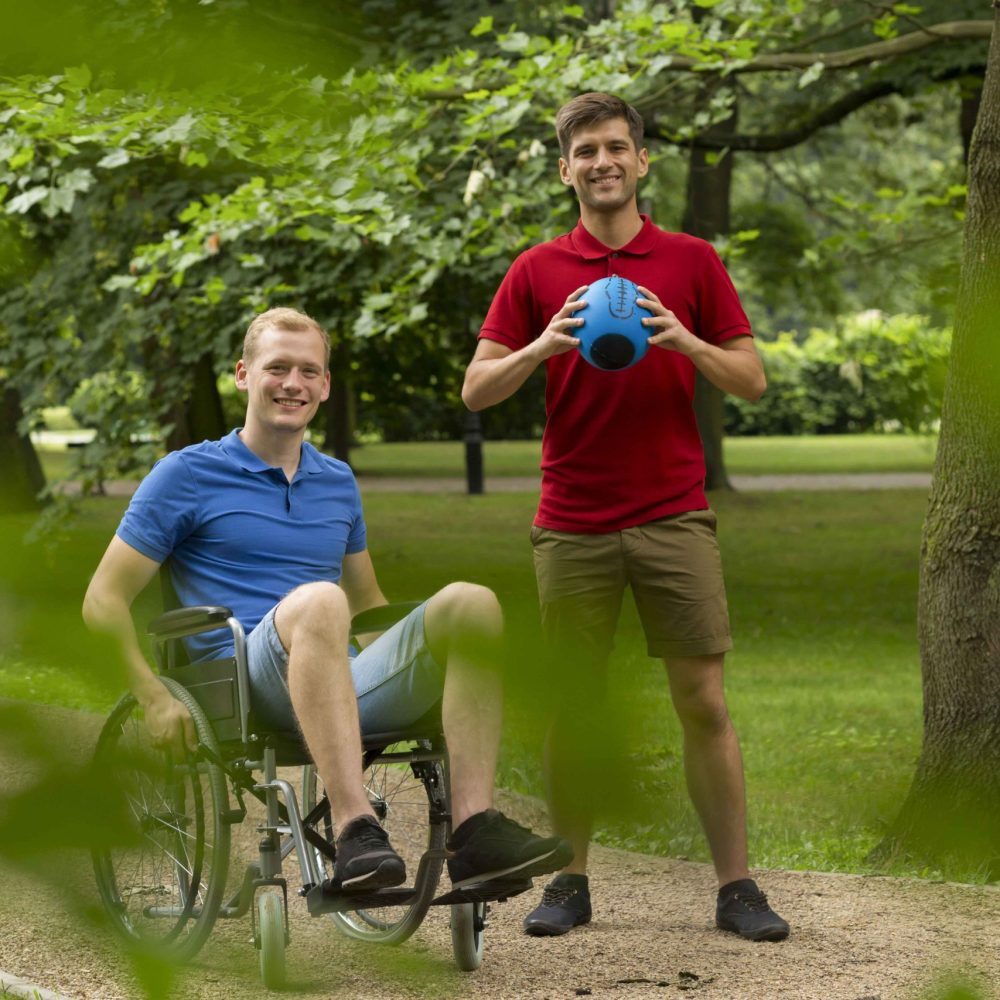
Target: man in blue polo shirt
{"points": [[263, 523]]}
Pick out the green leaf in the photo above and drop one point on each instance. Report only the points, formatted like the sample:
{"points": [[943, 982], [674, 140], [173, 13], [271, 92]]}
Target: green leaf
{"points": [[483, 26], [573, 10]]}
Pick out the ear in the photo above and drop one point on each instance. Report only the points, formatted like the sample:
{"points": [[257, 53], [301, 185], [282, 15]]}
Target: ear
{"points": [[325, 394], [643, 161], [564, 175], [241, 375]]}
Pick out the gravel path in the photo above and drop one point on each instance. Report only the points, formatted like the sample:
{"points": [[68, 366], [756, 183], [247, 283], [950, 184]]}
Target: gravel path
{"points": [[854, 938]]}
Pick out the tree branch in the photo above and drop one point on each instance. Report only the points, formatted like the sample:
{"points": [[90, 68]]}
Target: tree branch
{"points": [[830, 115]]}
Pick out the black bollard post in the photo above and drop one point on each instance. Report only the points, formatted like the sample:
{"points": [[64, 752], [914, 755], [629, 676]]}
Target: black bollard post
{"points": [[474, 452]]}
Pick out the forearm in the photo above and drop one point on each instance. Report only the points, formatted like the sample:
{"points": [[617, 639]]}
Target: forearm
{"points": [[738, 372], [489, 381], [108, 615]]}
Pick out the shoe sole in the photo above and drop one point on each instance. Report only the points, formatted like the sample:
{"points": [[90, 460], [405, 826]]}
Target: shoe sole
{"points": [[767, 934], [540, 929], [543, 865], [388, 873]]}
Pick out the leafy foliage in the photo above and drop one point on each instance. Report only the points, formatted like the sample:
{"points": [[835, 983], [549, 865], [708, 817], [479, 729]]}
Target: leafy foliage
{"points": [[873, 373]]}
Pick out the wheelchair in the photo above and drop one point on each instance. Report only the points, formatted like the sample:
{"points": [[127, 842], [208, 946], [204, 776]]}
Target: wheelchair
{"points": [[163, 879]]}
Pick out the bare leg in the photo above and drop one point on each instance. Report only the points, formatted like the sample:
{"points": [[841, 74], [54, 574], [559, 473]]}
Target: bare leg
{"points": [[713, 765], [464, 624], [571, 819], [313, 623]]}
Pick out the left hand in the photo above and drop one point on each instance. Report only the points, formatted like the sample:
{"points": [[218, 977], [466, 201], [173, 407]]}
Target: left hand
{"points": [[666, 330]]}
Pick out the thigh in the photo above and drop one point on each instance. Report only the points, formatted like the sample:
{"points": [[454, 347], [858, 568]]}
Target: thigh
{"points": [[267, 665], [581, 580], [397, 680], [675, 571]]}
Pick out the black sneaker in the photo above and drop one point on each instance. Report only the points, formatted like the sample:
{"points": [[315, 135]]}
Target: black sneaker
{"points": [[364, 858], [565, 904], [489, 846], [743, 909]]}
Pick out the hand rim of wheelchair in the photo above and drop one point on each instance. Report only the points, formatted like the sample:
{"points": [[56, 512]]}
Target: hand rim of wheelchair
{"points": [[184, 923]]}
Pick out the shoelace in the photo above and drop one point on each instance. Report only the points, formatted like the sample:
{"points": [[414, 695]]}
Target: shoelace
{"points": [[370, 836], [755, 902], [556, 895]]}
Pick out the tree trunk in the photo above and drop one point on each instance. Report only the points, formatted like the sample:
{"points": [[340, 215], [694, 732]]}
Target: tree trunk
{"points": [[339, 409], [22, 478], [200, 417], [706, 215], [968, 113], [953, 807]]}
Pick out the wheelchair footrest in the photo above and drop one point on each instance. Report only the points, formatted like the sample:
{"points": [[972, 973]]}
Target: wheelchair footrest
{"points": [[485, 892], [321, 900]]}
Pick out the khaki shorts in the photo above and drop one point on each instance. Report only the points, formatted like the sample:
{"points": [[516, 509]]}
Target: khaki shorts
{"points": [[675, 572]]}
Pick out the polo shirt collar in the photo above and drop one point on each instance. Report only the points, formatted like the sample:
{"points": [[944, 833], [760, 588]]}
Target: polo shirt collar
{"points": [[232, 445], [591, 248]]}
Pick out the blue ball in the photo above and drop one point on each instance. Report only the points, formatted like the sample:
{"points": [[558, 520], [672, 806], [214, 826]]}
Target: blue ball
{"points": [[612, 336]]}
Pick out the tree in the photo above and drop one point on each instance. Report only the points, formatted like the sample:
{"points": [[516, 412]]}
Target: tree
{"points": [[953, 807]]}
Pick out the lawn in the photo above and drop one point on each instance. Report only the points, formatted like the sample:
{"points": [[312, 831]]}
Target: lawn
{"points": [[832, 453], [824, 683]]}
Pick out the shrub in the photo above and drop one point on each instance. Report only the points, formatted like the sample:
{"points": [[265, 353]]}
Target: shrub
{"points": [[873, 373]]}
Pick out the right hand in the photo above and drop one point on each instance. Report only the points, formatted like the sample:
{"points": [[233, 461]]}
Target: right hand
{"points": [[557, 337], [170, 724]]}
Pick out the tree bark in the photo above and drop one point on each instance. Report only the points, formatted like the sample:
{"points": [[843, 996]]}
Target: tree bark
{"points": [[967, 115], [953, 807], [706, 215], [339, 408], [200, 417], [22, 478]]}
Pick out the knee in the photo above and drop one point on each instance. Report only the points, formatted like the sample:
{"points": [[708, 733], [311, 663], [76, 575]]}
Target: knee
{"points": [[702, 713], [315, 608], [468, 608]]}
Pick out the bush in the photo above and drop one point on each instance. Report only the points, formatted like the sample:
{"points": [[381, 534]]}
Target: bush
{"points": [[874, 373]]}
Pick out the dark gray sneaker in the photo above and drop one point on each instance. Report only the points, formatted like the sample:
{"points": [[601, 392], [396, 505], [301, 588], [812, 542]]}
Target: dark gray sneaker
{"points": [[743, 909], [565, 904], [365, 860], [489, 846]]}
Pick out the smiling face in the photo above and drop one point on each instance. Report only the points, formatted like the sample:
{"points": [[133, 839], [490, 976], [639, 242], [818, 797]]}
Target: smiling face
{"points": [[603, 167], [285, 380]]}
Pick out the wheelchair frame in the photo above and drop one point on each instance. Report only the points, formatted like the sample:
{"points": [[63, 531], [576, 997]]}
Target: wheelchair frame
{"points": [[180, 819]]}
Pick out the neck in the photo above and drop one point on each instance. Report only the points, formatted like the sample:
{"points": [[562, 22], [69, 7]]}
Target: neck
{"points": [[278, 450], [613, 229]]}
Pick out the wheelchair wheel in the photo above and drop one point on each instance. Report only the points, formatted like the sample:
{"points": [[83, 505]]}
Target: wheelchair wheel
{"points": [[468, 921], [271, 928], [161, 880], [400, 794]]}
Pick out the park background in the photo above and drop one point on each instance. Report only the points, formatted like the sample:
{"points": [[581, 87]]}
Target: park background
{"points": [[167, 171]]}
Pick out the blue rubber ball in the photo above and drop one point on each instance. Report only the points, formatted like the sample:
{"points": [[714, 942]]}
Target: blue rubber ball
{"points": [[612, 336]]}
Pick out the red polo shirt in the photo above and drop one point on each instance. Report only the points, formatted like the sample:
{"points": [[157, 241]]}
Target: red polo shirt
{"points": [[620, 448]]}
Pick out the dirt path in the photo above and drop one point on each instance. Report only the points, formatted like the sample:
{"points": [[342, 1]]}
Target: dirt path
{"points": [[854, 938]]}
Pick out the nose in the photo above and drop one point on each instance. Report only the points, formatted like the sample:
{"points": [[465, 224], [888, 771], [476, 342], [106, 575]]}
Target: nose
{"points": [[292, 382], [603, 160]]}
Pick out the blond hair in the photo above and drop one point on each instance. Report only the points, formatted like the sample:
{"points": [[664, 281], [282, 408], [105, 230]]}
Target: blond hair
{"points": [[282, 318]]}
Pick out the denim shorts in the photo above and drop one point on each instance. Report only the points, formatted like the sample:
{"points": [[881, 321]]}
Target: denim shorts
{"points": [[397, 681]]}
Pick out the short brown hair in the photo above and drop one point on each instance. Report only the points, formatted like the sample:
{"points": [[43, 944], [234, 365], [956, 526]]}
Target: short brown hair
{"points": [[589, 109], [282, 318]]}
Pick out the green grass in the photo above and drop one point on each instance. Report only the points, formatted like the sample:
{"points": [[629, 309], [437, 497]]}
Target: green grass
{"points": [[824, 683], [846, 453], [843, 453]]}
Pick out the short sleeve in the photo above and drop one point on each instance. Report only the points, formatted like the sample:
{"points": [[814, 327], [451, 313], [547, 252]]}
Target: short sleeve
{"points": [[357, 539], [720, 312], [510, 320], [163, 510]]}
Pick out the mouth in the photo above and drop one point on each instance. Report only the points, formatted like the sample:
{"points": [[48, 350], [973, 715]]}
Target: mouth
{"points": [[608, 180], [291, 404]]}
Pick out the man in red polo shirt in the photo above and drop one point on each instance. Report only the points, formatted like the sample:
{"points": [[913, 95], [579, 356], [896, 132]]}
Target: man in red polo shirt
{"points": [[623, 500]]}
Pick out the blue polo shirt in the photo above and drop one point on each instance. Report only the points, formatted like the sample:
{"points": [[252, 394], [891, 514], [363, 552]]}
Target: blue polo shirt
{"points": [[237, 533]]}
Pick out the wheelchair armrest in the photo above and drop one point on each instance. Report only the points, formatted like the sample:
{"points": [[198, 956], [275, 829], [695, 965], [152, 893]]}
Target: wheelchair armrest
{"points": [[380, 618], [188, 621]]}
